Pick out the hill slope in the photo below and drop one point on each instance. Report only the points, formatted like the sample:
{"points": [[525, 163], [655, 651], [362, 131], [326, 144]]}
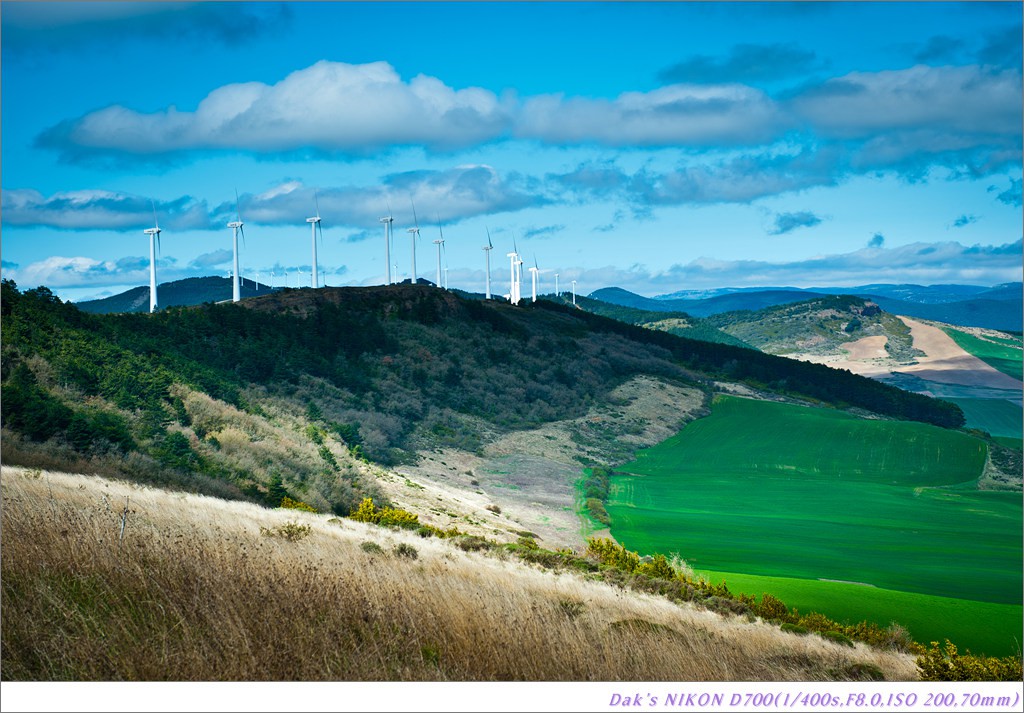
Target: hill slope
{"points": [[180, 293], [293, 392], [678, 323], [291, 596], [818, 326]]}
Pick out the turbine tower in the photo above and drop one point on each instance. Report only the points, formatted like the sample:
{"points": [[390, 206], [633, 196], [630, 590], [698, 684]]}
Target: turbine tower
{"points": [[574, 293], [513, 295], [487, 253], [314, 224], [154, 237], [387, 221], [236, 226], [414, 233], [533, 276], [439, 243], [556, 284]]}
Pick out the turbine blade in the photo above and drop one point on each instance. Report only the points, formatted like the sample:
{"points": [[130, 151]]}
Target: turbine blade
{"points": [[415, 220], [158, 242], [238, 209], [317, 200], [155, 223], [489, 243], [242, 231]]}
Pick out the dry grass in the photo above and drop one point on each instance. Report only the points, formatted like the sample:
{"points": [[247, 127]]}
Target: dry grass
{"points": [[202, 589]]}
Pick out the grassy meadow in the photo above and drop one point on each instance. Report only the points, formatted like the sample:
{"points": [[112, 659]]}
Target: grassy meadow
{"points": [[997, 416], [201, 589], [784, 491], [1004, 354]]}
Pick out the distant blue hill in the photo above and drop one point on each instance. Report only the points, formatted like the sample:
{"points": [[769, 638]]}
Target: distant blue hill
{"points": [[180, 293], [998, 307]]}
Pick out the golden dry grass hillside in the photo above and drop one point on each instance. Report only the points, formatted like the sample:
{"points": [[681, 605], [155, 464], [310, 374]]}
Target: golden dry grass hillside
{"points": [[195, 588]]}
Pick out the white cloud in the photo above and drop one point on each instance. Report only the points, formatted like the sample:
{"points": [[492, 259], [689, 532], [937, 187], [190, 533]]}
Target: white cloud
{"points": [[677, 115], [450, 195], [330, 106]]}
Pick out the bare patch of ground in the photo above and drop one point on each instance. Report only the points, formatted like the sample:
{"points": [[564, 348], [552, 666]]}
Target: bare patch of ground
{"points": [[529, 477], [947, 363], [939, 360]]}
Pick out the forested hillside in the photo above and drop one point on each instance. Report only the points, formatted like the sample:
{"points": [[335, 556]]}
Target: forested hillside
{"points": [[286, 394], [679, 323]]}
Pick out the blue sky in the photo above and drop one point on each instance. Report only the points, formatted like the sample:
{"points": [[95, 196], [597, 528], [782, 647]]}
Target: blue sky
{"points": [[654, 146]]}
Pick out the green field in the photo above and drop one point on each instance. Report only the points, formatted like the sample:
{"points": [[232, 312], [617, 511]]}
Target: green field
{"points": [[779, 490], [982, 627], [999, 354], [997, 416]]}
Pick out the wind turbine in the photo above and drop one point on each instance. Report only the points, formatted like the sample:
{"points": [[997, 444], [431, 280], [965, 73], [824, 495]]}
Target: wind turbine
{"points": [[387, 221], [236, 226], [154, 238], [487, 252], [414, 233], [513, 295], [439, 243], [314, 223], [574, 293], [533, 275], [556, 284]]}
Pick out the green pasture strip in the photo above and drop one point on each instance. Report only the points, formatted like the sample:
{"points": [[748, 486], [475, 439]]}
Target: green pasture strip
{"points": [[769, 438], [997, 416], [982, 627], [1005, 358], [782, 490], [1014, 443]]}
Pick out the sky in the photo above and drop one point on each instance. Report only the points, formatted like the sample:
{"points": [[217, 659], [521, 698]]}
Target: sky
{"points": [[656, 147]]}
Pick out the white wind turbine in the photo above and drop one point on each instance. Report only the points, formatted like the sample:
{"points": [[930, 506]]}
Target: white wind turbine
{"points": [[236, 226], [556, 284], [414, 234], [513, 287], [574, 293], [534, 271], [154, 238], [487, 251], [387, 221], [440, 244], [314, 224]]}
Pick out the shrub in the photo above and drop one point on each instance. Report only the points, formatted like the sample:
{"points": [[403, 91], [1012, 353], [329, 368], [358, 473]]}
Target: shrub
{"points": [[473, 543], [864, 672], [291, 531], [946, 663], [388, 517], [836, 637], [597, 511], [289, 504], [404, 549], [571, 608], [371, 548], [493, 508], [794, 629]]}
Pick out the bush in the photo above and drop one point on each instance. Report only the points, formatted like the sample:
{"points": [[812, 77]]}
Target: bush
{"points": [[837, 638], [291, 531], [794, 629], [473, 543], [946, 663], [493, 508], [406, 550], [289, 504], [371, 548]]}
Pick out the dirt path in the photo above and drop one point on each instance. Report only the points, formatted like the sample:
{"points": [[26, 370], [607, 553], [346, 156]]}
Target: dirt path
{"points": [[947, 363]]}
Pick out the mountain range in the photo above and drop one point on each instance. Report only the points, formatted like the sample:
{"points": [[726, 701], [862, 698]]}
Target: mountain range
{"points": [[999, 307]]}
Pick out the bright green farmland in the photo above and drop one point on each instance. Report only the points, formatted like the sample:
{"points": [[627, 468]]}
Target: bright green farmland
{"points": [[1001, 356], [997, 416], [982, 627], [780, 490]]}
